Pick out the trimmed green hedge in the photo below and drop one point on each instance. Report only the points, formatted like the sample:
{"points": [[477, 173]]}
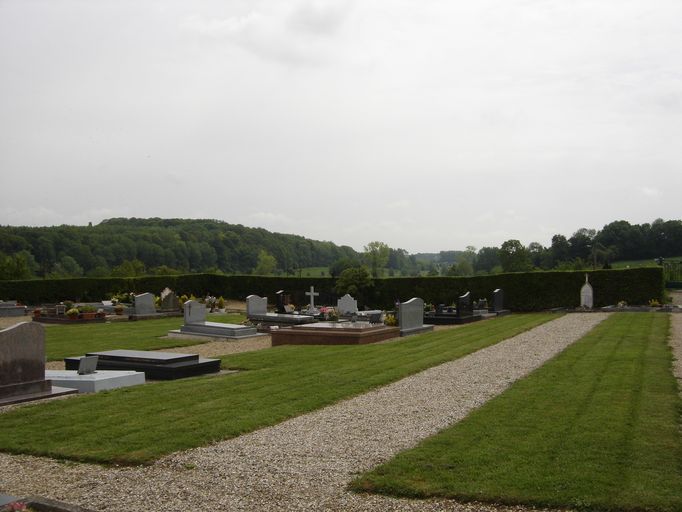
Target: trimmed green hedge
{"points": [[528, 291]]}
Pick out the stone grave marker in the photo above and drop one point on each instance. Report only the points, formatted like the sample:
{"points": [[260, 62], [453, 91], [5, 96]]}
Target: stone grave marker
{"points": [[144, 304], [256, 305], [347, 305], [169, 300], [195, 312], [464, 306], [586, 295], [312, 310], [87, 365], [498, 300], [411, 317], [22, 365]]}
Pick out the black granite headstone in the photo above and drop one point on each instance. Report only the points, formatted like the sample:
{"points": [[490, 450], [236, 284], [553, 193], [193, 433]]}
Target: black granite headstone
{"points": [[464, 306], [498, 300]]}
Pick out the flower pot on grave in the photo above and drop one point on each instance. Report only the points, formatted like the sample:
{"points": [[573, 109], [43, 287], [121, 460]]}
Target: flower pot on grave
{"points": [[88, 316]]}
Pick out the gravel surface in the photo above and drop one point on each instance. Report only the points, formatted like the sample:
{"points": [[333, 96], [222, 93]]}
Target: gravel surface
{"points": [[305, 463]]}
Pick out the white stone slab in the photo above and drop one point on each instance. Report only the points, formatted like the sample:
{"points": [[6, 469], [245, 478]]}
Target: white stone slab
{"points": [[94, 382], [347, 305], [256, 305]]}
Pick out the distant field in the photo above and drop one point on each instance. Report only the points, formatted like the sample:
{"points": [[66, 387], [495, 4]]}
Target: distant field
{"points": [[641, 263]]}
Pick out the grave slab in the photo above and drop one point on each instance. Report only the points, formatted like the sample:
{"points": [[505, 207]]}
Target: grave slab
{"points": [[93, 382], [155, 365], [333, 333]]}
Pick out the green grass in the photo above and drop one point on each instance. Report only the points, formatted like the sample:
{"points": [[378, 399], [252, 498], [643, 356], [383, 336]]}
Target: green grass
{"points": [[140, 424], [75, 340], [642, 263], [598, 427]]}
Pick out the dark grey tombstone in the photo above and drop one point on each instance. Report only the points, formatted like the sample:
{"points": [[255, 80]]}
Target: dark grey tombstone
{"points": [[464, 306], [411, 317], [195, 312], [498, 300], [282, 303], [22, 365], [169, 300]]}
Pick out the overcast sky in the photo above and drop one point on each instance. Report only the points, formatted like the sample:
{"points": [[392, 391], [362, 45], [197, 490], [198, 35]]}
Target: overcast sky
{"points": [[428, 125]]}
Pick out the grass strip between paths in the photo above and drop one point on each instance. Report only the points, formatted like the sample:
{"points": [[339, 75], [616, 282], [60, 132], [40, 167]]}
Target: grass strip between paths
{"points": [[597, 427], [75, 340], [140, 424]]}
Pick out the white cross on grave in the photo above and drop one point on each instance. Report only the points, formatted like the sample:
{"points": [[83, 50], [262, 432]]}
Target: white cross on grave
{"points": [[312, 293]]}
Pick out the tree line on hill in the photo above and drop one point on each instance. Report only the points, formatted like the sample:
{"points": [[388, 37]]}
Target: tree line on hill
{"points": [[132, 247]]}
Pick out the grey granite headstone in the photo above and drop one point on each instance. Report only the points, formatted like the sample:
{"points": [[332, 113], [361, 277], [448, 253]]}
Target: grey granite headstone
{"points": [[87, 365], [498, 299], [347, 305], [195, 312], [586, 295], [411, 317], [256, 305], [144, 304]]}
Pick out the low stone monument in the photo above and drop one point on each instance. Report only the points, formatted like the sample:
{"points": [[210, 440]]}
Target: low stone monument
{"points": [[11, 308], [169, 300], [257, 312], [22, 365], [586, 295], [347, 305], [144, 304], [411, 317], [196, 325], [498, 303], [256, 305], [88, 380]]}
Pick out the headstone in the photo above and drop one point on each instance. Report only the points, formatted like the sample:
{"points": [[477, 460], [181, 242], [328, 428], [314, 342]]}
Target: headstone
{"points": [[144, 304], [282, 303], [195, 312], [169, 300], [464, 306], [22, 364], [256, 305], [347, 305], [498, 300], [87, 365], [586, 295], [411, 317]]}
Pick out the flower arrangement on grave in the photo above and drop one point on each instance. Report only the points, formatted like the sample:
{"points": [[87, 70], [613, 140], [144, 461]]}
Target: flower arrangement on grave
{"points": [[100, 313], [622, 304], [37, 312], [183, 298], [72, 313], [390, 320], [118, 309], [16, 506], [329, 313], [653, 303], [221, 302]]}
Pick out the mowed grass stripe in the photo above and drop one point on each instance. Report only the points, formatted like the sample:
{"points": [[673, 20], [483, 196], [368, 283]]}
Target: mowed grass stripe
{"points": [[138, 425], [597, 427], [75, 340]]}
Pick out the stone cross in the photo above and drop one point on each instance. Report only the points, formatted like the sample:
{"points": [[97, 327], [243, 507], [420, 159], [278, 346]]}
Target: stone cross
{"points": [[587, 295], [312, 293]]}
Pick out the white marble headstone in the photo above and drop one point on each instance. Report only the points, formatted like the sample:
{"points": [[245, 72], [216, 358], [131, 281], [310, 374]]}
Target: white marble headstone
{"points": [[347, 305], [195, 312], [586, 295], [256, 305]]}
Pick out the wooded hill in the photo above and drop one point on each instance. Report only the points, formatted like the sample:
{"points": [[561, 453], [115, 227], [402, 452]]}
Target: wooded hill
{"points": [[161, 246]]}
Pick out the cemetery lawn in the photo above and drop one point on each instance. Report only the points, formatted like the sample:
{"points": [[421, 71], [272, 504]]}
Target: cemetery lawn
{"points": [[75, 340], [597, 427], [140, 424]]}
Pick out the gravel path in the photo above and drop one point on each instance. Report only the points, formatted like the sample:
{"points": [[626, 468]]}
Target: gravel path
{"points": [[305, 463]]}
